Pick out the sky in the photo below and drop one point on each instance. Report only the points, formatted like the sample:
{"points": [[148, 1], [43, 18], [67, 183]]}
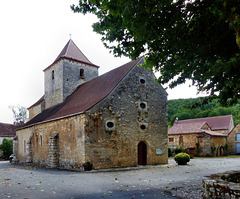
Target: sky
{"points": [[32, 35]]}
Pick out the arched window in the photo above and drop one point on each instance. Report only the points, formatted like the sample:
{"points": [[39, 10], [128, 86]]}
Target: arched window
{"points": [[81, 74], [52, 74]]}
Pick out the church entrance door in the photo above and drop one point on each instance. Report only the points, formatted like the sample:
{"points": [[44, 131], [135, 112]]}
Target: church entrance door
{"points": [[142, 153]]}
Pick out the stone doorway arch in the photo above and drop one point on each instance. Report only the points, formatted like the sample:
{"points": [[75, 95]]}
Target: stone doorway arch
{"points": [[53, 150], [142, 153], [220, 151]]}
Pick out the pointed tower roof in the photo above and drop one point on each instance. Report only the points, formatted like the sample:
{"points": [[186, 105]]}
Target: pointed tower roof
{"points": [[72, 52]]}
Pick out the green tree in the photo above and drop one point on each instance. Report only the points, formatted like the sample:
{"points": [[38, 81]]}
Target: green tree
{"points": [[197, 40], [20, 114], [184, 109], [7, 148]]}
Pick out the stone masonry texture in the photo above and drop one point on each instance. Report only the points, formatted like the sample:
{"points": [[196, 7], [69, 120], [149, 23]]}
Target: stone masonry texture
{"points": [[119, 147], [108, 134]]}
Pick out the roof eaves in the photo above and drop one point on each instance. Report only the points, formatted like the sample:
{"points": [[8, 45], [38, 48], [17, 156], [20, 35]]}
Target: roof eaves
{"points": [[140, 60], [37, 102], [238, 123], [70, 59], [45, 121], [215, 134]]}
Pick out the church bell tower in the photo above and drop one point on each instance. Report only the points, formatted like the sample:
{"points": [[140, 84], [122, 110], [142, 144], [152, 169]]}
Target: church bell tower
{"points": [[69, 70]]}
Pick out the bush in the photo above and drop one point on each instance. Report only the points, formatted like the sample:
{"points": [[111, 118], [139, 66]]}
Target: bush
{"points": [[7, 148], [178, 149], [169, 152], [213, 149], [226, 149], [182, 158]]}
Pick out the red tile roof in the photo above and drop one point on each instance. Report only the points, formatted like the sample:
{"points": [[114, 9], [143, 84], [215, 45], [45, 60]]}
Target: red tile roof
{"points": [[215, 123], [195, 125], [7, 130], [186, 128], [86, 95], [72, 52], [212, 133]]}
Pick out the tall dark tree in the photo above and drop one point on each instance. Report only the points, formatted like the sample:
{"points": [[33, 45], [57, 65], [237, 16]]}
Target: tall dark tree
{"points": [[183, 39]]}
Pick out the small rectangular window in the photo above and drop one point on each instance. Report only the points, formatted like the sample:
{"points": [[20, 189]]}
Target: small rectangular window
{"points": [[81, 74], [41, 140], [238, 137], [170, 139], [25, 146], [200, 139], [53, 74]]}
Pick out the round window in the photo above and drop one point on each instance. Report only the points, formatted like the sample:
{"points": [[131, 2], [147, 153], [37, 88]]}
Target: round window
{"points": [[142, 81], [143, 127], [142, 105], [110, 124]]}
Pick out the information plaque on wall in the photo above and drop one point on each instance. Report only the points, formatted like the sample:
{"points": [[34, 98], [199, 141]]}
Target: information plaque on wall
{"points": [[159, 151]]}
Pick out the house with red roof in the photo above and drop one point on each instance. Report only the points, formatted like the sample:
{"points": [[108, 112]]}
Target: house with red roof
{"points": [[210, 133], [118, 119], [7, 131], [234, 139]]}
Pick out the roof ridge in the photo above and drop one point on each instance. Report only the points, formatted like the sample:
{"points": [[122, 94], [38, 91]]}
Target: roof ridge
{"points": [[71, 52], [67, 47], [98, 89], [81, 51]]}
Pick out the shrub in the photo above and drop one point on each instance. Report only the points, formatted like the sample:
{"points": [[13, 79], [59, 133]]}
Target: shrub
{"points": [[226, 149], [213, 149], [169, 152], [7, 148], [178, 149], [182, 158]]}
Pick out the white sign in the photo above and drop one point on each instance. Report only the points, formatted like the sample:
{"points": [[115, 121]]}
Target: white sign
{"points": [[159, 151]]}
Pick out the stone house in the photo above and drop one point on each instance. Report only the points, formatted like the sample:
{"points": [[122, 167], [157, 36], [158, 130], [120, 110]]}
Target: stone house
{"points": [[118, 119], [234, 140], [211, 132], [7, 131]]}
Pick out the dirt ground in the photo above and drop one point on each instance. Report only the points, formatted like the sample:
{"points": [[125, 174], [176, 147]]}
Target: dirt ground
{"points": [[160, 181]]}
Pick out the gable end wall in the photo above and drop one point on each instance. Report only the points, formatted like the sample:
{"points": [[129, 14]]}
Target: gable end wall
{"points": [[119, 147]]}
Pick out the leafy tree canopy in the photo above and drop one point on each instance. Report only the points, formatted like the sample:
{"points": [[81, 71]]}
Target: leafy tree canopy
{"points": [[20, 114], [194, 108], [7, 147], [183, 39]]}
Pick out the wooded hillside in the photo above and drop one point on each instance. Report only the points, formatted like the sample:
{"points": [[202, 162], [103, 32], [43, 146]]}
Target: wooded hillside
{"points": [[182, 109]]}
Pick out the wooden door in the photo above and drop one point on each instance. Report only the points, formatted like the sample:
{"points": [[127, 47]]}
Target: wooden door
{"points": [[142, 153], [181, 141]]}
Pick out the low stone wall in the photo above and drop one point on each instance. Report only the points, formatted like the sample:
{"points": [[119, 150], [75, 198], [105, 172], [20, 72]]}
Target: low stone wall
{"points": [[220, 185]]}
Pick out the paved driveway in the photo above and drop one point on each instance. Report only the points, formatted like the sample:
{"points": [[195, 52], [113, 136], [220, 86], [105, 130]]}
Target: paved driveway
{"points": [[168, 181]]}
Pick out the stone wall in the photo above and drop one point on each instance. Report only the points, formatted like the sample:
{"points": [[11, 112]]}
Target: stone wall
{"points": [[206, 141], [53, 87], [66, 150], [136, 111], [189, 140], [219, 186], [71, 75], [206, 145], [109, 134], [35, 110], [23, 137], [232, 139], [66, 80]]}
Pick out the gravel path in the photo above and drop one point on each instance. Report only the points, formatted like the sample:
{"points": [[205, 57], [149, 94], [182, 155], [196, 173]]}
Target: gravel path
{"points": [[166, 181]]}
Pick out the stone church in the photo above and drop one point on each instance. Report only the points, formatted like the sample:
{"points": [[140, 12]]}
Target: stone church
{"points": [[118, 119]]}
